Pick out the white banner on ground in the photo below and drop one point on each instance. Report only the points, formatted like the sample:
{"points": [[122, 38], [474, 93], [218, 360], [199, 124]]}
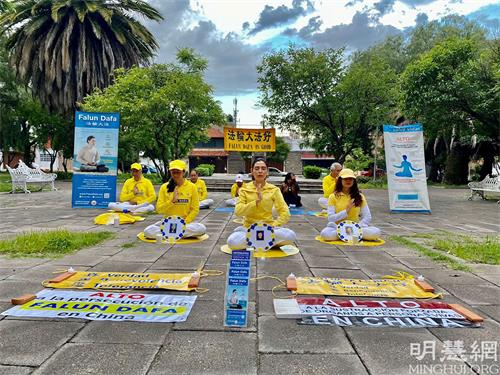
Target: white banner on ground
{"points": [[108, 306], [405, 161]]}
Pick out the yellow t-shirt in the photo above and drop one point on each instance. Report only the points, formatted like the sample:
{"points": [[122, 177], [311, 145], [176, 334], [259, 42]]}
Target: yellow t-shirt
{"points": [[202, 189], [263, 212], [187, 205], [328, 185], [146, 192], [234, 189], [340, 202]]}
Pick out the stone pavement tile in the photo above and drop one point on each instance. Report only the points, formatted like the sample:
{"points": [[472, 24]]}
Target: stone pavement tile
{"points": [[272, 267], [101, 250], [331, 262], [472, 336], [15, 370], [21, 262], [30, 343], [150, 254], [486, 269], [444, 276], [495, 279], [100, 359], [265, 303], [105, 332], [342, 274], [15, 288], [78, 260], [119, 266], [379, 270], [400, 251], [477, 294], [186, 353], [6, 272], [3, 307], [322, 250], [218, 258], [369, 256], [41, 273], [286, 336], [418, 262], [179, 263], [209, 316], [194, 250], [386, 351], [308, 364], [493, 311]]}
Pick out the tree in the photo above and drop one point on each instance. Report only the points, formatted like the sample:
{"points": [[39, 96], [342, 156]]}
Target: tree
{"points": [[281, 153], [452, 89], [165, 109], [333, 109], [65, 48]]}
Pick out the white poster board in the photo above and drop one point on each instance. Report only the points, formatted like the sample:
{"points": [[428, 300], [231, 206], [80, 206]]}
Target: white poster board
{"points": [[405, 161]]}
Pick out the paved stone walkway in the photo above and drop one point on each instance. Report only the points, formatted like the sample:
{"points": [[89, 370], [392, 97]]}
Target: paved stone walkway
{"points": [[268, 346]]}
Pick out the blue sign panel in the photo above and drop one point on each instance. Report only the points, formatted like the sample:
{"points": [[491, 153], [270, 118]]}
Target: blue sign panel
{"points": [[236, 298], [95, 159]]}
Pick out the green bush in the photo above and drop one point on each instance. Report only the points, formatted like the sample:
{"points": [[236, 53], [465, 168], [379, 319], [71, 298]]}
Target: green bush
{"points": [[311, 171], [363, 179], [205, 169], [64, 176]]}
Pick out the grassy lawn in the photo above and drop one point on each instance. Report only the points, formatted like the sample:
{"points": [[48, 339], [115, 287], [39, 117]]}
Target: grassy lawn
{"points": [[439, 245], [53, 244]]}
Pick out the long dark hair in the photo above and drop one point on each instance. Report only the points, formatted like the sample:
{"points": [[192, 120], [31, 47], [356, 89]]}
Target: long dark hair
{"points": [[288, 177], [171, 183], [353, 191]]}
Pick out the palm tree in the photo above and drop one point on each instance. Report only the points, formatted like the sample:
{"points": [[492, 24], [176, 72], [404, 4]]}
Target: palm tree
{"points": [[66, 48]]}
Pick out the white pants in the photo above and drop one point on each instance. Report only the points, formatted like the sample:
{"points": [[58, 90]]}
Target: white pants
{"points": [[192, 230], [232, 202], [135, 208], [238, 239], [323, 202], [206, 203], [330, 233]]}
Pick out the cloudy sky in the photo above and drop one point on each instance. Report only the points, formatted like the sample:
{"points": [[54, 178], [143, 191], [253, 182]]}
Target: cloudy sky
{"points": [[234, 34]]}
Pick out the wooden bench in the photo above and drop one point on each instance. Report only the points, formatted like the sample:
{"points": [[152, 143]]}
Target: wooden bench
{"points": [[24, 175], [488, 185]]}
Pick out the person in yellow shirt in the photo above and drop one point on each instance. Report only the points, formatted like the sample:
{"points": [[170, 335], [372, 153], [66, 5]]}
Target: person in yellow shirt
{"points": [[235, 188], [202, 189], [329, 182], [347, 203], [137, 195], [255, 204], [178, 197]]}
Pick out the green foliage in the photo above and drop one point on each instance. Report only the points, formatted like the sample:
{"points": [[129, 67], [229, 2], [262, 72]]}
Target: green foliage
{"points": [[334, 109], [64, 176], [205, 169], [281, 153], [365, 182], [165, 108], [64, 49], [357, 160], [154, 178], [54, 243], [311, 171]]}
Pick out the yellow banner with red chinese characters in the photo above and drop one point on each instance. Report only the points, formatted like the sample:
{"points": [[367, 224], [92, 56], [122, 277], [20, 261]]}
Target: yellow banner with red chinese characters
{"points": [[249, 140]]}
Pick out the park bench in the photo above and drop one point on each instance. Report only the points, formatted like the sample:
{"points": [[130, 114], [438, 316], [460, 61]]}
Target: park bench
{"points": [[488, 185], [24, 175]]}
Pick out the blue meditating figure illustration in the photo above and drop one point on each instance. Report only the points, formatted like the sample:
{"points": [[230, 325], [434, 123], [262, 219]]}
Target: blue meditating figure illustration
{"points": [[407, 168]]}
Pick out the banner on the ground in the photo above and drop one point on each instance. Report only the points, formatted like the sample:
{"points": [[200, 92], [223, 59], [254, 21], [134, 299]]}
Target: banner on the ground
{"points": [[397, 287], [106, 306], [95, 159], [249, 140], [121, 280], [237, 284], [405, 161], [404, 314]]}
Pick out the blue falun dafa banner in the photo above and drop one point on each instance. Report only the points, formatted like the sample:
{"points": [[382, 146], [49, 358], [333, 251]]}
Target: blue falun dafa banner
{"points": [[95, 159]]}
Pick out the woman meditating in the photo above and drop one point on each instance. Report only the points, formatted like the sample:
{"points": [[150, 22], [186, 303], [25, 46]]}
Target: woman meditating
{"points": [[347, 203], [255, 204], [290, 190], [178, 197]]}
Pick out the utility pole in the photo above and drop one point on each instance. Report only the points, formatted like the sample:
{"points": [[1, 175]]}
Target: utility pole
{"points": [[235, 112]]}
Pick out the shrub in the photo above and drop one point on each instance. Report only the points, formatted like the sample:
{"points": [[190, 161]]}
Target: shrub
{"points": [[363, 179], [208, 169], [61, 176], [311, 171]]}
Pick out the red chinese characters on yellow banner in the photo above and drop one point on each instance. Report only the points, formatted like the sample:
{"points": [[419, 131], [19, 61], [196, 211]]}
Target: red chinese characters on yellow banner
{"points": [[249, 140]]}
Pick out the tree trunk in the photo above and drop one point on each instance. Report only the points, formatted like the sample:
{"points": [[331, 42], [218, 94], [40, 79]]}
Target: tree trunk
{"points": [[457, 163]]}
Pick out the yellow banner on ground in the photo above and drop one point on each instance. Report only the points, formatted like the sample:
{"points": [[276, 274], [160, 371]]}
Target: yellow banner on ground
{"points": [[123, 281], [392, 287], [250, 140]]}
